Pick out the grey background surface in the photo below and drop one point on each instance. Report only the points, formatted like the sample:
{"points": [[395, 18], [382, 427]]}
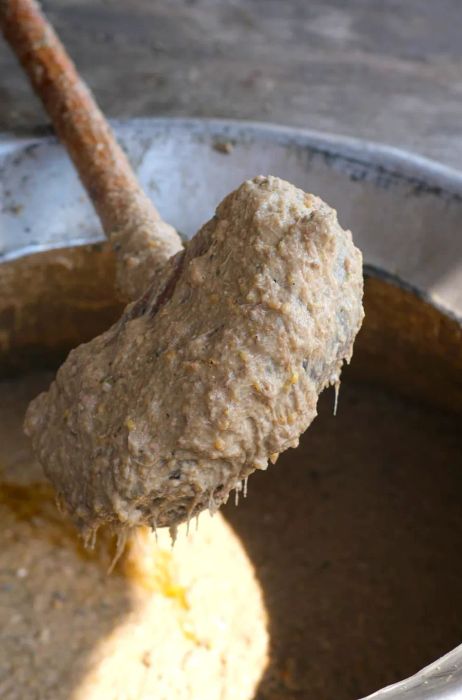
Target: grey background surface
{"points": [[386, 70]]}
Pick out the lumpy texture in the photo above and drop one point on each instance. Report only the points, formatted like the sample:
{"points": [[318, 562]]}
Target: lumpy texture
{"points": [[213, 372]]}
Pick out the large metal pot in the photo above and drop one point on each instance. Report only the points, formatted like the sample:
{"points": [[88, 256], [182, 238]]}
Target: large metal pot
{"points": [[56, 283]]}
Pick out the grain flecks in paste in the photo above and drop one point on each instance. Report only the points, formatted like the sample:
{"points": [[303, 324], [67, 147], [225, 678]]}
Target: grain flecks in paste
{"points": [[213, 372]]}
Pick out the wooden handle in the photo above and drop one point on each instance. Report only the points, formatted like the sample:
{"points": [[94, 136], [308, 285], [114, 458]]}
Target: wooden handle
{"points": [[143, 242]]}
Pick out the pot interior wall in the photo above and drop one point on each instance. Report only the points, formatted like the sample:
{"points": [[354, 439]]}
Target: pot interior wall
{"points": [[50, 302]]}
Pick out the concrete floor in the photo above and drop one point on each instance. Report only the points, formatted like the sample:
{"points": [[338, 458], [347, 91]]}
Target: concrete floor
{"points": [[386, 70]]}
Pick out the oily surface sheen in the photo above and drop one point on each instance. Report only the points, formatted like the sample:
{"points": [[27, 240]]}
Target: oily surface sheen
{"points": [[214, 371]]}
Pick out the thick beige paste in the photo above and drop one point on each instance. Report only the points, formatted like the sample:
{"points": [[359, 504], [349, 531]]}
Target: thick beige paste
{"points": [[167, 624], [216, 370], [326, 582]]}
